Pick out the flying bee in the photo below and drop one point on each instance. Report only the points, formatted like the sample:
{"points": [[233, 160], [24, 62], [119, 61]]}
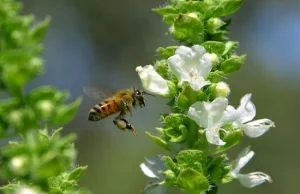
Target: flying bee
{"points": [[121, 102]]}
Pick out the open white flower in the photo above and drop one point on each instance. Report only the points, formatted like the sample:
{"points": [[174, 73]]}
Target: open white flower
{"points": [[192, 65], [208, 115], [245, 113], [152, 82], [247, 180]]}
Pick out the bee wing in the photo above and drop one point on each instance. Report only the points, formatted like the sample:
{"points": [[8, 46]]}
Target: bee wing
{"points": [[96, 93]]}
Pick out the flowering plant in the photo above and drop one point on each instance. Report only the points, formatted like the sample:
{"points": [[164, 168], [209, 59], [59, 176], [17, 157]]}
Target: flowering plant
{"points": [[39, 160], [202, 124]]}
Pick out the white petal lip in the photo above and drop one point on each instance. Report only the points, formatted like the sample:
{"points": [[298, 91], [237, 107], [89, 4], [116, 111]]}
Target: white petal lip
{"points": [[257, 128], [208, 115], [152, 82], [147, 171], [246, 111], [191, 65], [253, 179], [243, 158], [213, 137]]}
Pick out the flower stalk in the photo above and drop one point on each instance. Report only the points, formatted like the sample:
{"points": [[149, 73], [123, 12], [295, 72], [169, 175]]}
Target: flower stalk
{"points": [[202, 126]]}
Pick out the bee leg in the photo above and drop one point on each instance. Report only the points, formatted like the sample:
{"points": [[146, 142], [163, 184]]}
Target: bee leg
{"points": [[125, 106], [123, 124]]}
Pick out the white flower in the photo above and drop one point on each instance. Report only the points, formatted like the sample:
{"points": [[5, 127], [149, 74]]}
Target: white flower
{"points": [[208, 115], [192, 65], [152, 81], [245, 113], [247, 180]]}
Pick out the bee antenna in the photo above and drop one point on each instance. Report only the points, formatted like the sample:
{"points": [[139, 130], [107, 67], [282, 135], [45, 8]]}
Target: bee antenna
{"points": [[148, 93]]}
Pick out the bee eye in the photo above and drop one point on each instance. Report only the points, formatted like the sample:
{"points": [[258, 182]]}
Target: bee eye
{"points": [[137, 93]]}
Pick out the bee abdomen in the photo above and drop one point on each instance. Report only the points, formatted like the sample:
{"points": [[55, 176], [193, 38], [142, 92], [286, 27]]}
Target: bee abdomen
{"points": [[102, 110]]}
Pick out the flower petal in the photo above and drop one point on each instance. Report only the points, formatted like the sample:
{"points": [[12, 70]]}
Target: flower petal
{"points": [[257, 128], [205, 66], [197, 113], [207, 114], [176, 65], [245, 112], [153, 167], [191, 65], [213, 137], [253, 179], [152, 81], [243, 158], [197, 83]]}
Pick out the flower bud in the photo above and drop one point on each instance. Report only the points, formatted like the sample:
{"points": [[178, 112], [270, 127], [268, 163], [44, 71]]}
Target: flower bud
{"points": [[214, 59], [18, 165], [220, 89], [213, 25]]}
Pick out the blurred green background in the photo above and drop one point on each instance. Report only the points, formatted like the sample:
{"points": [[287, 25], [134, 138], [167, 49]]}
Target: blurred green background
{"points": [[100, 42]]}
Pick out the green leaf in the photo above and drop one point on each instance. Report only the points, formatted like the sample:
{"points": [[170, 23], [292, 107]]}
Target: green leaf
{"points": [[233, 64], [232, 139], [214, 47], [192, 181], [39, 31], [189, 96], [218, 169], [158, 141], [224, 8], [76, 174], [65, 113], [165, 10], [194, 159], [167, 51]]}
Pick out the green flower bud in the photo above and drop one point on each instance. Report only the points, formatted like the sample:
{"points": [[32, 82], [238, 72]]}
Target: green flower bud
{"points": [[213, 25], [18, 165], [214, 59], [220, 89]]}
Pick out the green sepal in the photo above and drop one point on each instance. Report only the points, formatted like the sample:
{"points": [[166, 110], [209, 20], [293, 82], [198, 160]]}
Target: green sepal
{"points": [[216, 76], [165, 10], [76, 174], [159, 141], [170, 164], [170, 177], [233, 64], [65, 113], [223, 8], [232, 139], [161, 68], [167, 51], [218, 169], [188, 29], [172, 89], [214, 47], [192, 181], [192, 6], [189, 96], [38, 32], [194, 159], [230, 47], [177, 135], [213, 25]]}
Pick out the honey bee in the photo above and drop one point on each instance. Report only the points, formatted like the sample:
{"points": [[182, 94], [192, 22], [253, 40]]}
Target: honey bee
{"points": [[121, 102]]}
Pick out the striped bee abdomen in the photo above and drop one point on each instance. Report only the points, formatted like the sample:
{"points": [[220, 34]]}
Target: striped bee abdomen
{"points": [[103, 109]]}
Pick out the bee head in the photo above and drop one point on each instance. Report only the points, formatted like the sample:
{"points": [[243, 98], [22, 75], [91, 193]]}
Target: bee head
{"points": [[138, 96]]}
